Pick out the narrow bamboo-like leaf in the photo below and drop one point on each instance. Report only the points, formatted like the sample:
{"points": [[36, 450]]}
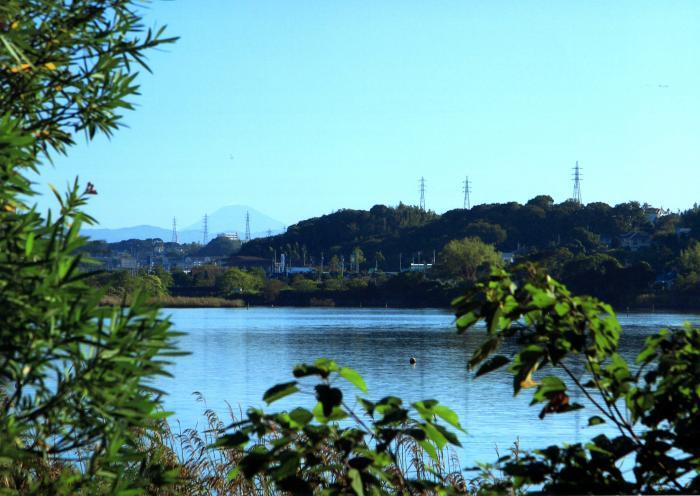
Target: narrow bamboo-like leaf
{"points": [[280, 391], [233, 473], [29, 245], [356, 481], [429, 448], [491, 364]]}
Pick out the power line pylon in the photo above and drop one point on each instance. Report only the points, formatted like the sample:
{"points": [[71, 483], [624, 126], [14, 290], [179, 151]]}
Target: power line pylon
{"points": [[422, 193], [174, 239], [466, 189], [577, 184], [247, 226], [205, 237]]}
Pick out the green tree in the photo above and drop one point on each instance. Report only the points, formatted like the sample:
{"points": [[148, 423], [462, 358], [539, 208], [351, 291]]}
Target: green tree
{"points": [[653, 406], [206, 276], [689, 266], [76, 379], [358, 283], [221, 246], [150, 285], [358, 257], [333, 284], [235, 281], [492, 234], [272, 289], [378, 259], [301, 283], [165, 276], [463, 259]]}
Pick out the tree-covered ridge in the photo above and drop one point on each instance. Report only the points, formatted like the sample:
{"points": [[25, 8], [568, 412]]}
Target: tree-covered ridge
{"points": [[630, 253], [540, 223]]}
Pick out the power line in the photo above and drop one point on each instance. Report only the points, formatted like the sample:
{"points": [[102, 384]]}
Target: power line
{"points": [[205, 236], [466, 189], [247, 226], [175, 238], [577, 184], [422, 193]]}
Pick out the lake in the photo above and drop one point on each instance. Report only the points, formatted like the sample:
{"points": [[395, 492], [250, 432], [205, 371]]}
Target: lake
{"points": [[237, 354]]}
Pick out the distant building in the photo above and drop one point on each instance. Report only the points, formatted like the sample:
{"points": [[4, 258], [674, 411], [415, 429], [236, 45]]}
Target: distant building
{"points": [[248, 262], [635, 240], [653, 214], [508, 257], [665, 281], [299, 270], [158, 246], [233, 236], [682, 232], [420, 267], [127, 262]]}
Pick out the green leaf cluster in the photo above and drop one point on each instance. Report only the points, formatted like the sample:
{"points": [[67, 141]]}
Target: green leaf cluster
{"points": [[334, 449], [653, 404], [76, 379]]}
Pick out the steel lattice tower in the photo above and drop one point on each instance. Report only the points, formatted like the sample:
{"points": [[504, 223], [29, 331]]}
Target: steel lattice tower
{"points": [[247, 226], [467, 190], [205, 237], [174, 240], [422, 193], [577, 184]]}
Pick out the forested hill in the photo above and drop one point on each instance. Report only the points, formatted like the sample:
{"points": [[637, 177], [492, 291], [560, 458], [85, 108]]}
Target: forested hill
{"points": [[384, 233]]}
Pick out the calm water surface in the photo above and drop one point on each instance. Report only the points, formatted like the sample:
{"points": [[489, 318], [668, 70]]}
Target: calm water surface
{"points": [[237, 354]]}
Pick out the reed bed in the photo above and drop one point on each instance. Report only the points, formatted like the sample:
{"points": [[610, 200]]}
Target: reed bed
{"points": [[179, 302], [205, 470]]}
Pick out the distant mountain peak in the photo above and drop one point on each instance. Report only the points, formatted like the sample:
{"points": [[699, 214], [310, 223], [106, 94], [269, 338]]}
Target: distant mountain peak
{"points": [[230, 218]]}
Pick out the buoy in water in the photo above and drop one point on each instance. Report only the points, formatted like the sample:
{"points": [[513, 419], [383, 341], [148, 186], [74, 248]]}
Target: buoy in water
{"points": [[412, 360]]}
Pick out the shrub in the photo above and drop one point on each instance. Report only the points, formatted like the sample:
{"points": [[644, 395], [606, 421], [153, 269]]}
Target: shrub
{"points": [[304, 451], [654, 405], [75, 377]]}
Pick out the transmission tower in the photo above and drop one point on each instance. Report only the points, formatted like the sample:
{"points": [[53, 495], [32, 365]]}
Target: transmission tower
{"points": [[466, 189], [174, 240], [422, 193], [205, 237], [247, 226], [577, 184]]}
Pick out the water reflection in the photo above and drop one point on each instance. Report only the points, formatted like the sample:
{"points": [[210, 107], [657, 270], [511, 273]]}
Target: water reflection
{"points": [[237, 354]]}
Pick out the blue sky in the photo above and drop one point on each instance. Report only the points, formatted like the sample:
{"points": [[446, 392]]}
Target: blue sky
{"points": [[300, 108]]}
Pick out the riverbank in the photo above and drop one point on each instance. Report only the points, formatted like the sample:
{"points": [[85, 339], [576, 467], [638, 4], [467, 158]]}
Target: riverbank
{"points": [[320, 299], [182, 302]]}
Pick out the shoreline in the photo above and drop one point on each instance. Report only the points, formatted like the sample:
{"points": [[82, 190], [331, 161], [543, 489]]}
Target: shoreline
{"points": [[216, 302]]}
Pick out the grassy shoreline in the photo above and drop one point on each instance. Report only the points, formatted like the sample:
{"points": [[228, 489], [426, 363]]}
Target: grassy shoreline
{"points": [[217, 302], [182, 302]]}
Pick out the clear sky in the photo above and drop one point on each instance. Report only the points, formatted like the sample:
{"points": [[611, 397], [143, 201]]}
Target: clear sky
{"points": [[300, 108]]}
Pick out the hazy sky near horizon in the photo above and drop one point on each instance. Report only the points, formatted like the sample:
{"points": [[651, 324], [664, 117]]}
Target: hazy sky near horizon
{"points": [[300, 108]]}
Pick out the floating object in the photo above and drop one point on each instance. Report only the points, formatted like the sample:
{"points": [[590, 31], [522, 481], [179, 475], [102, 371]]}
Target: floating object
{"points": [[412, 360]]}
